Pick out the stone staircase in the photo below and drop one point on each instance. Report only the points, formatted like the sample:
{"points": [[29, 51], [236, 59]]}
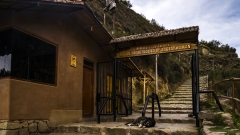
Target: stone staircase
{"points": [[173, 121]]}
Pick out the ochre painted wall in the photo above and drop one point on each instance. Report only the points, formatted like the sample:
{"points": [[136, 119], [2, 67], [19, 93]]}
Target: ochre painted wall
{"points": [[30, 100], [4, 98]]}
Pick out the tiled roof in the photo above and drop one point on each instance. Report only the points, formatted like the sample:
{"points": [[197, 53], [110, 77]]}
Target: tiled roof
{"points": [[156, 34], [67, 1]]}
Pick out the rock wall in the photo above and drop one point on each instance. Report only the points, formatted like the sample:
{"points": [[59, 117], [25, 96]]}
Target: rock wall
{"points": [[24, 127]]}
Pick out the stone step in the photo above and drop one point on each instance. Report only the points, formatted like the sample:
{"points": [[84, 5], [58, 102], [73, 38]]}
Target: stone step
{"points": [[179, 99], [176, 102], [182, 96], [183, 93], [189, 87], [169, 106], [167, 111], [184, 90], [119, 128], [165, 118]]}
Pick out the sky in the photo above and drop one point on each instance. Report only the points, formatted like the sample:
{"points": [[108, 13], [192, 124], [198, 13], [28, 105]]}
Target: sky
{"points": [[217, 19]]}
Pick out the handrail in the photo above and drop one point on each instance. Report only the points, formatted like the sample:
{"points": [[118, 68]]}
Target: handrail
{"points": [[146, 103], [233, 93], [234, 99], [225, 80]]}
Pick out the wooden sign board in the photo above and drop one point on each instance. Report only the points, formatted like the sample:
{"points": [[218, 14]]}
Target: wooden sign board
{"points": [[156, 49]]}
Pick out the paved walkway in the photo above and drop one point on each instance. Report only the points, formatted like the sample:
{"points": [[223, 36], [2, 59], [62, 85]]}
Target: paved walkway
{"points": [[174, 119]]}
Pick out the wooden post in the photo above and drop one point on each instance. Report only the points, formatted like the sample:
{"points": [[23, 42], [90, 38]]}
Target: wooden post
{"points": [[233, 96], [145, 80]]}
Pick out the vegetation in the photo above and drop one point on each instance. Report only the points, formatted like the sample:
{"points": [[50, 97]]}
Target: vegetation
{"points": [[215, 45], [219, 122], [127, 21], [222, 61]]}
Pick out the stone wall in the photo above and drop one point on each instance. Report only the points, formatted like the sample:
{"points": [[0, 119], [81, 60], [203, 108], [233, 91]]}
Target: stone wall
{"points": [[24, 127]]}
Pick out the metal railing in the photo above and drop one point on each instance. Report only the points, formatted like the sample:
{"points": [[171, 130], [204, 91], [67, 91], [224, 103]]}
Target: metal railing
{"points": [[153, 96], [233, 93], [99, 110]]}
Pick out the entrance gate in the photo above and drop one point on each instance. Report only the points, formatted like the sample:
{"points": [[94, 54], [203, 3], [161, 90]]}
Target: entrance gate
{"points": [[114, 92], [167, 41]]}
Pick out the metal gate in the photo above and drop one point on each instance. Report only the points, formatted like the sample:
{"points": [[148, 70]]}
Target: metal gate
{"points": [[112, 100]]}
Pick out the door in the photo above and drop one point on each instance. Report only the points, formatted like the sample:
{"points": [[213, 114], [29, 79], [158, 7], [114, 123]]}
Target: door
{"points": [[88, 92]]}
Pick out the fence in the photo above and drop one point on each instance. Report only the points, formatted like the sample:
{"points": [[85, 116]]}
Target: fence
{"points": [[229, 89]]}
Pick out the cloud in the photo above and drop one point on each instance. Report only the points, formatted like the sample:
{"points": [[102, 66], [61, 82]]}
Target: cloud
{"points": [[217, 19]]}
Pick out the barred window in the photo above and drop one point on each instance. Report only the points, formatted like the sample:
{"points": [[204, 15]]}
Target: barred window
{"points": [[25, 57]]}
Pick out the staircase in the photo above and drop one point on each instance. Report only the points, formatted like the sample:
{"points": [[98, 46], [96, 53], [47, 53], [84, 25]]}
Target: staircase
{"points": [[174, 119]]}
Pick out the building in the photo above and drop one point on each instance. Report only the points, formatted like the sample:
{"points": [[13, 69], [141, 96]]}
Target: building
{"points": [[58, 62]]}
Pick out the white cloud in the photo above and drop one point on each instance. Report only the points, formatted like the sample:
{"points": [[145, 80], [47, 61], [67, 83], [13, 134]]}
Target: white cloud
{"points": [[217, 19]]}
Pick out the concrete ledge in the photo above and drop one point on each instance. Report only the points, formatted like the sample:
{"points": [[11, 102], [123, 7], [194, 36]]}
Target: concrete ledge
{"points": [[59, 117]]}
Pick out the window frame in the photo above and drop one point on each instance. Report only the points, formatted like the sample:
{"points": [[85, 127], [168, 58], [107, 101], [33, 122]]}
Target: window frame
{"points": [[43, 40]]}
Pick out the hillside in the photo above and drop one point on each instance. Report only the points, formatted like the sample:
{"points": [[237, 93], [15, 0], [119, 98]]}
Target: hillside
{"points": [[127, 21], [220, 62]]}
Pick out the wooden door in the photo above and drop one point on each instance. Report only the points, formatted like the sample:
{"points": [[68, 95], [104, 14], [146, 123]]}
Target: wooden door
{"points": [[88, 92]]}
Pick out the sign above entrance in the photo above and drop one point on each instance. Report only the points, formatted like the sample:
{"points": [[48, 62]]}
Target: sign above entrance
{"points": [[156, 49]]}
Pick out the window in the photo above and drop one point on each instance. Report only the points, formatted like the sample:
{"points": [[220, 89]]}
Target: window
{"points": [[5, 53], [26, 57]]}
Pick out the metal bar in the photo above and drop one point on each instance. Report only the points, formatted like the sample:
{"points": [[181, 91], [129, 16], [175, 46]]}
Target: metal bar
{"points": [[114, 89], [156, 75], [153, 105], [215, 97], [124, 103], [159, 107], [218, 103], [145, 106], [193, 86], [104, 104], [197, 88]]}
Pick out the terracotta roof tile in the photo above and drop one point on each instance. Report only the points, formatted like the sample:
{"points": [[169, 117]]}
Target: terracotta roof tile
{"points": [[66, 1], [156, 34]]}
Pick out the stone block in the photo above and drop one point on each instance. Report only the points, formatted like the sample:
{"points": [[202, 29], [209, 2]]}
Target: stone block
{"points": [[30, 121], [10, 125], [73, 129], [116, 131], [205, 115], [229, 122], [23, 131], [32, 127], [25, 124], [8, 132], [92, 130], [43, 127], [227, 116]]}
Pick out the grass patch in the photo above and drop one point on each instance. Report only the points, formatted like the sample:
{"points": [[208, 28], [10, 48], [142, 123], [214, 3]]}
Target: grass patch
{"points": [[208, 104], [221, 126], [218, 120], [221, 129]]}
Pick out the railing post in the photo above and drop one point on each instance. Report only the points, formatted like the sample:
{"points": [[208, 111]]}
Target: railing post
{"points": [[233, 96], [153, 105]]}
